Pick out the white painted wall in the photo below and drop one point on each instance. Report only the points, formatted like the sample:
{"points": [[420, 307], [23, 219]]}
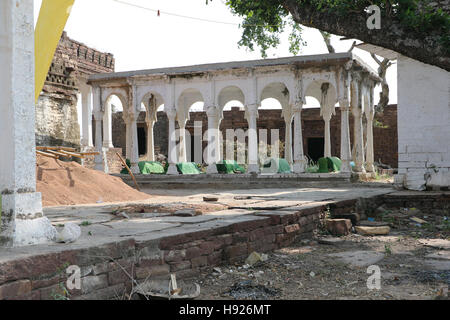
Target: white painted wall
{"points": [[423, 124]]}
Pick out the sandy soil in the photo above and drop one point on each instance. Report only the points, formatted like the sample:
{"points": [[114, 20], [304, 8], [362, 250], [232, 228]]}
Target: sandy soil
{"points": [[68, 183]]}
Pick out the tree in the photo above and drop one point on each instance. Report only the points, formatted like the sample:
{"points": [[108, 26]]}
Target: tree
{"points": [[419, 29]]}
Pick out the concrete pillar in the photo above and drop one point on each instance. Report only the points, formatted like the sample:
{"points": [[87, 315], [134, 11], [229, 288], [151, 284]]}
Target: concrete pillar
{"points": [[345, 137], [358, 134], [252, 115], [107, 127], [369, 145], [182, 149], [86, 116], [150, 140], [99, 159], [172, 152], [213, 151], [299, 157], [288, 139], [134, 147], [127, 121], [22, 221]]}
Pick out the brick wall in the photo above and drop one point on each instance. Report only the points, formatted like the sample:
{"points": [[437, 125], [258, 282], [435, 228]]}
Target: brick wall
{"points": [[385, 133]]}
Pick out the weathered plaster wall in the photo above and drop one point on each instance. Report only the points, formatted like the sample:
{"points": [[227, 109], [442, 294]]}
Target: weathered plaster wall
{"points": [[424, 124]]}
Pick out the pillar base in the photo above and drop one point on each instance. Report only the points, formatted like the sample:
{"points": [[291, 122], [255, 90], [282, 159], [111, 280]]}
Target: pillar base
{"points": [[135, 168], [299, 166], [345, 166], [212, 169], [253, 168], [172, 170], [24, 223], [108, 145], [370, 167]]}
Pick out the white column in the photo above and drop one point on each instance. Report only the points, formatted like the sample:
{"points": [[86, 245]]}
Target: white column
{"points": [[299, 157], [107, 127], [345, 137], [358, 134], [22, 221], [327, 151], [172, 152], [86, 117], [182, 154], [212, 148], [134, 147], [252, 111], [369, 145], [288, 139], [150, 140], [99, 160], [127, 121]]}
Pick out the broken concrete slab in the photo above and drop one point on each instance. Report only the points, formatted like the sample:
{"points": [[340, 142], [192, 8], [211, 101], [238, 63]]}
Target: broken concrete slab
{"points": [[330, 241], [372, 231], [359, 258], [441, 265], [443, 255], [436, 243]]}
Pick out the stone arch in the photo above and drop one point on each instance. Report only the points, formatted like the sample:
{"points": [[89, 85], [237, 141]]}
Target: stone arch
{"points": [[228, 94], [185, 101]]}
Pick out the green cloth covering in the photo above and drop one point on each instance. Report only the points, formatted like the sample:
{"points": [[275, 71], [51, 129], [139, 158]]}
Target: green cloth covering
{"points": [[335, 164], [229, 166], [188, 168], [151, 167], [280, 164], [124, 170], [323, 165], [332, 164]]}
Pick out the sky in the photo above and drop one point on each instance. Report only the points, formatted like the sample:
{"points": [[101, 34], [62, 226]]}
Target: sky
{"points": [[139, 39]]}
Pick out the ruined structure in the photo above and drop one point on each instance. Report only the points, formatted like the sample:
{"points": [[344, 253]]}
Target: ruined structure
{"points": [[384, 132], [332, 79], [56, 110]]}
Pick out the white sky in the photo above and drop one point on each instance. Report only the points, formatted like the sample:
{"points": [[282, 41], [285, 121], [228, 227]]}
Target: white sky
{"points": [[139, 39]]}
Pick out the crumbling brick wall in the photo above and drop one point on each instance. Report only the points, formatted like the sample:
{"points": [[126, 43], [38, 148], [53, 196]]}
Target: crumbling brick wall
{"points": [[56, 110]]}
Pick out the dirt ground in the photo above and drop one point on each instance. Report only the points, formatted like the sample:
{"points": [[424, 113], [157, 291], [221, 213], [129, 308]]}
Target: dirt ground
{"points": [[414, 262]]}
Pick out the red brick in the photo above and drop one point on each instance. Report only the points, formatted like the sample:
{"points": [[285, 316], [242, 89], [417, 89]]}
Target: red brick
{"points": [[339, 227], [180, 266], [152, 272], [199, 262], [292, 228], [16, 288]]}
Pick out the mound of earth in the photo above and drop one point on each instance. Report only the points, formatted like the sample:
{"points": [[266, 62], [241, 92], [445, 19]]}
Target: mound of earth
{"points": [[69, 183]]}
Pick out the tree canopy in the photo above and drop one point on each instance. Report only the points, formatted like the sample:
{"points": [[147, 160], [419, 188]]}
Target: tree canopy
{"points": [[419, 29]]}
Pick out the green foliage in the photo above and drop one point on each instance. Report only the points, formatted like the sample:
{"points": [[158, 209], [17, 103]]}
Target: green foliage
{"points": [[265, 20]]}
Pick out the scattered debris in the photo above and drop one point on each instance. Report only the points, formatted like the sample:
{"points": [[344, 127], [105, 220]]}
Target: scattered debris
{"points": [[372, 231], [167, 289], [330, 241], [249, 290], [210, 199], [255, 257], [436, 243], [186, 213], [417, 220], [70, 233]]}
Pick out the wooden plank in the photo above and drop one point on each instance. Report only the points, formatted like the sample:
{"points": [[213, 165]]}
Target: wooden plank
{"points": [[45, 154], [56, 148], [58, 153], [129, 171], [72, 154]]}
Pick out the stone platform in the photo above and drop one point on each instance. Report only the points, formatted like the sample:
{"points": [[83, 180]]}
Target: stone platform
{"points": [[238, 181], [114, 250]]}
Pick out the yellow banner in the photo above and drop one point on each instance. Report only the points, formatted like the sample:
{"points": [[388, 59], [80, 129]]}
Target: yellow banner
{"points": [[49, 28]]}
